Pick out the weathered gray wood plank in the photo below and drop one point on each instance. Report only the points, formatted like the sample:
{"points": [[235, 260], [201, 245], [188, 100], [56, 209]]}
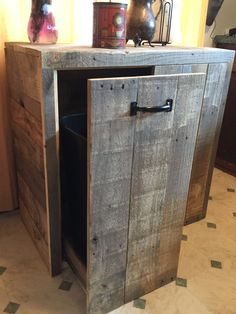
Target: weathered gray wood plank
{"points": [[64, 56], [110, 151], [37, 213], [50, 118], [34, 233], [204, 152], [23, 73], [155, 232]]}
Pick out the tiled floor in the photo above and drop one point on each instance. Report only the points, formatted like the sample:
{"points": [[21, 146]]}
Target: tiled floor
{"points": [[206, 278]]}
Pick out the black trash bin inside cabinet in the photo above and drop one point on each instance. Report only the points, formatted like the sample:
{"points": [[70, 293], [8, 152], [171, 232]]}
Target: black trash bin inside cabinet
{"points": [[73, 168]]}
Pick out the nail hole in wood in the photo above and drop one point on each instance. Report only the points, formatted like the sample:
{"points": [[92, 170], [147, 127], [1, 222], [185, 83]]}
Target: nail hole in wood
{"points": [[186, 138], [158, 87], [111, 87], [123, 86], [95, 240], [101, 85], [94, 58], [176, 140], [22, 103]]}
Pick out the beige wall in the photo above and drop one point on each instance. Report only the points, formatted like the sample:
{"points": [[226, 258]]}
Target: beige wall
{"points": [[225, 19]]}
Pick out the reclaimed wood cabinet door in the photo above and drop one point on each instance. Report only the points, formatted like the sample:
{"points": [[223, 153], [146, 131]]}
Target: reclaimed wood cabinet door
{"points": [[139, 168]]}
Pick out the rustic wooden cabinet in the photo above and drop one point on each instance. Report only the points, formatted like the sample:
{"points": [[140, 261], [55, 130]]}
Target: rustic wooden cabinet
{"points": [[139, 164]]}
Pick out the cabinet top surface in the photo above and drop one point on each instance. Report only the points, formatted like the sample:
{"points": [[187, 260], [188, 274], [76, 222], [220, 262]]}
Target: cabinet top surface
{"points": [[62, 56]]}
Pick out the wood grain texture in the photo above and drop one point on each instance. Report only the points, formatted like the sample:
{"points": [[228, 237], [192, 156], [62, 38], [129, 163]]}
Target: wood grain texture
{"points": [[223, 96], [37, 213], [50, 119], [64, 56], [23, 72], [34, 232], [25, 92], [28, 139], [110, 151], [163, 152], [206, 141], [28, 149]]}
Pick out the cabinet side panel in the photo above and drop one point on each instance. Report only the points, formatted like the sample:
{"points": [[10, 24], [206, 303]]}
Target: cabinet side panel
{"points": [[163, 153], [24, 80], [110, 154], [207, 138]]}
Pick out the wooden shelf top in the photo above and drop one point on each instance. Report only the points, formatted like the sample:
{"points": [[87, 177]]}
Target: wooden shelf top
{"points": [[67, 56]]}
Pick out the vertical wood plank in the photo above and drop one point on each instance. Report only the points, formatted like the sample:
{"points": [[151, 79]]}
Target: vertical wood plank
{"points": [[110, 154], [24, 77], [50, 123], [163, 152], [204, 155]]}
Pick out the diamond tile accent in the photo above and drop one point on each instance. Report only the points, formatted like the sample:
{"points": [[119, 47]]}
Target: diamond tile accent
{"points": [[230, 190], [184, 237], [181, 282], [211, 225], [65, 285], [210, 198], [12, 308], [2, 270], [216, 264], [139, 304]]}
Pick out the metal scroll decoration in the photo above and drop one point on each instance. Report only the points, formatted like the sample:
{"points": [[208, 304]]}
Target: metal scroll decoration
{"points": [[163, 23]]}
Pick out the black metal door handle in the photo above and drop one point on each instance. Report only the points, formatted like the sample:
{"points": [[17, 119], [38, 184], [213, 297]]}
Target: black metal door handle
{"points": [[167, 107]]}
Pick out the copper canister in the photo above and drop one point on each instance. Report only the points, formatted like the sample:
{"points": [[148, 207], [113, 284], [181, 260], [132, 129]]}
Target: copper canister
{"points": [[109, 25]]}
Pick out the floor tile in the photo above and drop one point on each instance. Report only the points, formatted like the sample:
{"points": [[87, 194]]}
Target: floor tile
{"points": [[11, 308], [184, 237], [140, 304], [65, 285], [181, 282], [216, 264], [2, 270], [211, 225], [231, 190]]}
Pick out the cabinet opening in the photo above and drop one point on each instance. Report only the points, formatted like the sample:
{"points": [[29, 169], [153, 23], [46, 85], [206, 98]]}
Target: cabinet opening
{"points": [[72, 99]]}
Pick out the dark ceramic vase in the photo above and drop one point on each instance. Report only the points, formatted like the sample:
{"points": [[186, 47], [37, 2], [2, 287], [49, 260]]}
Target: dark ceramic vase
{"points": [[141, 22]]}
